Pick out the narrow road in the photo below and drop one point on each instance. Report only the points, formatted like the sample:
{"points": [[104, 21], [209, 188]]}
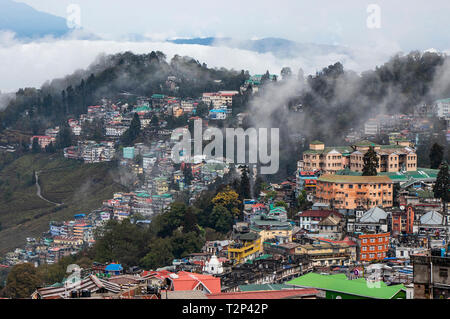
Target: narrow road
{"points": [[38, 191]]}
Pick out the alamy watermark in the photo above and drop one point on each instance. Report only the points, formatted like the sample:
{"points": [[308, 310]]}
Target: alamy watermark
{"points": [[73, 19], [256, 152], [374, 19]]}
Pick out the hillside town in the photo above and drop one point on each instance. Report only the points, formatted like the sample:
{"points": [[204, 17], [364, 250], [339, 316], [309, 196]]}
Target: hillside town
{"points": [[327, 231]]}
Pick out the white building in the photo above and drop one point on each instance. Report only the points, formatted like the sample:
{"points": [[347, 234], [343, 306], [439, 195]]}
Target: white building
{"points": [[443, 107], [213, 266], [115, 130], [371, 127]]}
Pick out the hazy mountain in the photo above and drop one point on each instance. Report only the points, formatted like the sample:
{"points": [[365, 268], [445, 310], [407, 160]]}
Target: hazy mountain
{"points": [[279, 47], [27, 22]]}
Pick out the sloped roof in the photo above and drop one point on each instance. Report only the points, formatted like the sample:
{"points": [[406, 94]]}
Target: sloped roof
{"points": [[354, 179], [373, 215], [340, 283], [275, 294], [264, 287], [431, 218]]}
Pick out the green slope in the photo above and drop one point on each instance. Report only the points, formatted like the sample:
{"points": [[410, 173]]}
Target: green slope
{"points": [[80, 187]]}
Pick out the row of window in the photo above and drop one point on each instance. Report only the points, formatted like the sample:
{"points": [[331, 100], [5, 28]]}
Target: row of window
{"points": [[372, 248], [371, 256], [373, 240]]}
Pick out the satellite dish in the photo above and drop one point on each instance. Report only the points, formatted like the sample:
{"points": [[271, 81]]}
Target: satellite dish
{"points": [[402, 207]]}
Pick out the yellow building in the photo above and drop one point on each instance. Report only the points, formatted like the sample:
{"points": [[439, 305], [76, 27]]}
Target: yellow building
{"points": [[162, 186], [246, 246], [326, 254]]}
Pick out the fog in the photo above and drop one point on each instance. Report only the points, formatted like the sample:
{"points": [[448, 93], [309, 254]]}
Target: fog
{"points": [[30, 64]]}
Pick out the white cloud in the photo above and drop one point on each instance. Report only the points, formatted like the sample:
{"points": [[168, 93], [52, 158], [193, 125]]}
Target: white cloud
{"points": [[31, 64]]}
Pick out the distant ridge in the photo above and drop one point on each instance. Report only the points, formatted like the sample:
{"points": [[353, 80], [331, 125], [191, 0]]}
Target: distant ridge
{"points": [[29, 23], [282, 48]]}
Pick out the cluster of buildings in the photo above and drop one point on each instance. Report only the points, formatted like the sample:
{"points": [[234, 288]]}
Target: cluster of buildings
{"points": [[91, 151]]}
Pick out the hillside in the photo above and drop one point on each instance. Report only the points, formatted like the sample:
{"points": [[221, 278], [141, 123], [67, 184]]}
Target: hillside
{"points": [[79, 187]]}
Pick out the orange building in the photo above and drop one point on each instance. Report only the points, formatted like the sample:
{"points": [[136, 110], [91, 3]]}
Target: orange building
{"points": [[350, 192], [403, 221], [373, 246]]}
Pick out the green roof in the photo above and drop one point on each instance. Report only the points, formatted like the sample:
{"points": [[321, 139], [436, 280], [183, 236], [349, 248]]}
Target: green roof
{"points": [[262, 257], [141, 109], [316, 142], [146, 195], [443, 101], [420, 174], [366, 143], [264, 287], [340, 283], [354, 179]]}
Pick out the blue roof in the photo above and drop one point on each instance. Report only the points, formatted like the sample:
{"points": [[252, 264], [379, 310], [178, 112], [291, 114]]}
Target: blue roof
{"points": [[218, 111], [114, 267]]}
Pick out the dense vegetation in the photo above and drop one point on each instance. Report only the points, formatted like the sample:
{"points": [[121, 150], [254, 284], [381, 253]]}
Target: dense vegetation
{"points": [[111, 76]]}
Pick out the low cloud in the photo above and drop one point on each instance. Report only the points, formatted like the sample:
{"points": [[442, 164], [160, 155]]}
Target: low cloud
{"points": [[30, 64]]}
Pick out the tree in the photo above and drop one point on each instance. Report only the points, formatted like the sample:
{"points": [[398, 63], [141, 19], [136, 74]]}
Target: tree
{"points": [[50, 148], [302, 201], [436, 155], [370, 163], [154, 121], [441, 188], [133, 131], [64, 137], [301, 75], [229, 199], [160, 254], [259, 183], [22, 281], [286, 73], [244, 187], [221, 219], [187, 173], [35, 148], [281, 203]]}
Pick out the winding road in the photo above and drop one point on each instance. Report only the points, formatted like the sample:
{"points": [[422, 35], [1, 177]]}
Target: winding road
{"points": [[38, 191]]}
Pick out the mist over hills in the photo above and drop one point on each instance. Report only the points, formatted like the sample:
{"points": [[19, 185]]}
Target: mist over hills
{"points": [[281, 48]]}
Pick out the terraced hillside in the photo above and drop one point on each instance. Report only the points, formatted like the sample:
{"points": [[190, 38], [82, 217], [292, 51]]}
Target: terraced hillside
{"points": [[79, 187]]}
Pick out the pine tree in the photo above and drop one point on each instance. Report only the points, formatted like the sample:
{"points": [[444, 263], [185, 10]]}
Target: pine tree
{"points": [[244, 187], [370, 163], [436, 155], [35, 148], [441, 188], [133, 131]]}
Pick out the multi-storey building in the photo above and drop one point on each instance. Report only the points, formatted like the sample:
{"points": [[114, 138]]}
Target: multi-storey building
{"points": [[350, 192], [373, 246], [43, 140], [391, 158]]}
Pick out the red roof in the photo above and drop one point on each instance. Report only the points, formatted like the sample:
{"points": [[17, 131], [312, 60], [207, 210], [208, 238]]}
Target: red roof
{"points": [[346, 240], [274, 294], [191, 281], [258, 205], [187, 281]]}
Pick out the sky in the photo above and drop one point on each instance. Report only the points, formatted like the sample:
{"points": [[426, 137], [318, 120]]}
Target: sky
{"points": [[412, 24], [401, 26]]}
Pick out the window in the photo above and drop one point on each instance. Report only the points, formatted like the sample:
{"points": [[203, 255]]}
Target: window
{"points": [[443, 272]]}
